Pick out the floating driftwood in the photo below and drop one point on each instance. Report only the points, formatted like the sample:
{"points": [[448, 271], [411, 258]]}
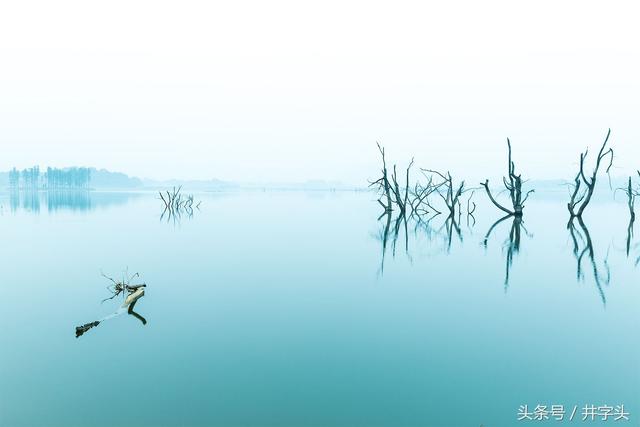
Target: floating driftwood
{"points": [[122, 286], [80, 330], [131, 293], [133, 297]]}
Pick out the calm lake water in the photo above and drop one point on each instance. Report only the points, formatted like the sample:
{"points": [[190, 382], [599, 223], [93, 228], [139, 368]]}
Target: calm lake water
{"points": [[275, 309]]}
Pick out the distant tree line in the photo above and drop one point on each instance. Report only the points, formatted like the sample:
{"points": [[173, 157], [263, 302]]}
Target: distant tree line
{"points": [[53, 178]]}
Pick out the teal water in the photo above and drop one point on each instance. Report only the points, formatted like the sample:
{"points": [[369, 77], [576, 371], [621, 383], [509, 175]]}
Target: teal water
{"points": [[278, 309]]}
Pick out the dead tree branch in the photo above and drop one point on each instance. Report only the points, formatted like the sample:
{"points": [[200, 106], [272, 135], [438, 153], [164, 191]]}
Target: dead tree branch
{"points": [[382, 183], [513, 184], [580, 198], [447, 190], [175, 204]]}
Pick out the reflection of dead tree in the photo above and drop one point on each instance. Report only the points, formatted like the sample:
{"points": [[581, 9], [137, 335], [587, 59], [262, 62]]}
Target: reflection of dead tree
{"points": [[451, 194], [451, 225], [445, 232], [384, 238], [511, 245], [582, 245], [471, 208], [513, 184], [176, 204], [631, 198], [631, 194], [413, 202], [580, 199], [388, 233], [392, 193]]}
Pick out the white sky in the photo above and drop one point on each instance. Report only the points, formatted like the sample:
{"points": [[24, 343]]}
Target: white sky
{"points": [[289, 91]]}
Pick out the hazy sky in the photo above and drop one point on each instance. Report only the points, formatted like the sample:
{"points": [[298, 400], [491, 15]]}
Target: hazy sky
{"points": [[289, 91]]}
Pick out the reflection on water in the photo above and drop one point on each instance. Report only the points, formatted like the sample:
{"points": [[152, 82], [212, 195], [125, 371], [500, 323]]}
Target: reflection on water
{"points": [[583, 245], [438, 228], [511, 245], [267, 310], [34, 201], [441, 233]]}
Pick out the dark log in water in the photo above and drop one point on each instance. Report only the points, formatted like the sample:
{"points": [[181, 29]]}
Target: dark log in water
{"points": [[80, 330]]}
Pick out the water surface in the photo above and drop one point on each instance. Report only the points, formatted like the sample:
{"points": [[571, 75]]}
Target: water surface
{"points": [[279, 309]]}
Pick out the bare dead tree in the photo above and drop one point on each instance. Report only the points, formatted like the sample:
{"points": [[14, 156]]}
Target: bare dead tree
{"points": [[176, 204], [631, 194], [513, 184], [382, 184], [448, 191], [401, 198], [580, 198], [420, 202]]}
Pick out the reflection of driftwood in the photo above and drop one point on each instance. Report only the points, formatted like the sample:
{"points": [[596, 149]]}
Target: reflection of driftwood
{"points": [[513, 184], [581, 237], [580, 199], [134, 314]]}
